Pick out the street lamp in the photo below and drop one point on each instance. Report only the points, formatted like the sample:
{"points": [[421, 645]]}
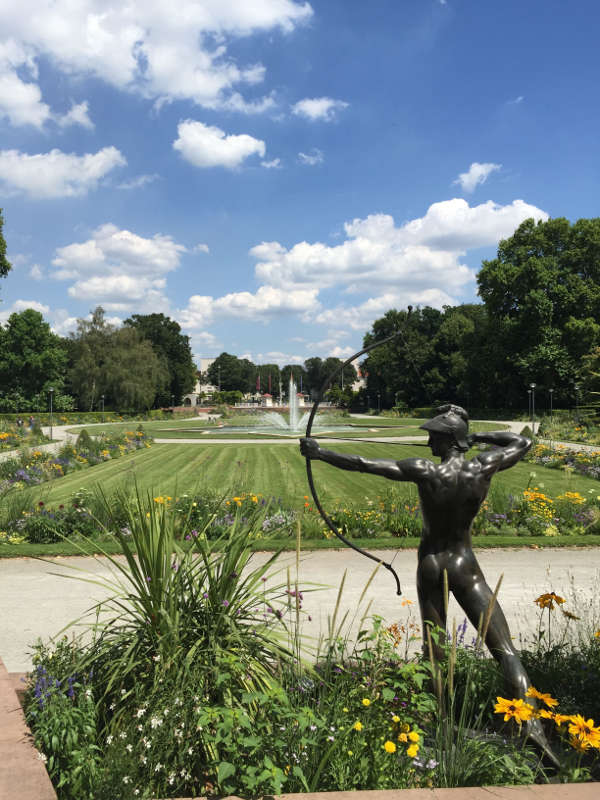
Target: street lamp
{"points": [[51, 390], [378, 402], [219, 371], [172, 402], [532, 387], [529, 404], [551, 392], [576, 387], [102, 401]]}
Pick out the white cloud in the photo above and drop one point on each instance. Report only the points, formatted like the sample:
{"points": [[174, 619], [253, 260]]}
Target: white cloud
{"points": [[23, 305], [318, 108], [419, 261], [477, 174], [139, 181], [516, 100], [201, 248], [77, 115], [266, 302], [208, 146], [137, 46], [119, 269], [312, 158], [274, 164], [36, 273], [56, 174], [277, 357]]}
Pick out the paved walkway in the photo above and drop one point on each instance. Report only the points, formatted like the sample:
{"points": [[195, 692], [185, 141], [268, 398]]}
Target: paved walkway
{"points": [[38, 602]]}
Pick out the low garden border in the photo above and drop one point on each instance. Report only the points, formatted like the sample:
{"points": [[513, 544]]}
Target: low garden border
{"points": [[23, 775]]}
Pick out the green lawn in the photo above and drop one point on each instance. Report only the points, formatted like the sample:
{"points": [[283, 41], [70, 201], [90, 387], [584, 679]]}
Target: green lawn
{"points": [[198, 429], [277, 470]]}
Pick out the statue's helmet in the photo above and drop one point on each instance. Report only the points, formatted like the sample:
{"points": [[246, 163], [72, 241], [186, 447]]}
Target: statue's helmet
{"points": [[452, 424]]}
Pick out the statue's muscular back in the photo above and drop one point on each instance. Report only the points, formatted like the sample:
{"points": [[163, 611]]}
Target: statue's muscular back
{"points": [[451, 494]]}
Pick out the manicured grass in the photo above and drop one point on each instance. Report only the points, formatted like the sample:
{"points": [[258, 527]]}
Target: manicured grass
{"points": [[68, 548], [277, 471], [197, 428]]}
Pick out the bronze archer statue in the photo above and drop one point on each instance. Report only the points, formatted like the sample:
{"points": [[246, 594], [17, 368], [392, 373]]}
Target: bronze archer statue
{"points": [[451, 493]]}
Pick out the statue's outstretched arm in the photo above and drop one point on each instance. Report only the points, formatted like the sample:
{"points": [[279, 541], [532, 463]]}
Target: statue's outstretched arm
{"points": [[409, 469], [509, 448]]}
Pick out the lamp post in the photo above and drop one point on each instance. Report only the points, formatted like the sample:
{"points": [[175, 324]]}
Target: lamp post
{"points": [[102, 401], [529, 404], [532, 387], [378, 402], [51, 390], [551, 392], [219, 372], [576, 387]]}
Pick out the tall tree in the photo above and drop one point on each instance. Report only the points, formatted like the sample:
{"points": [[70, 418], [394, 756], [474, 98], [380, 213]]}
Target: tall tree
{"points": [[542, 292], [32, 358], [232, 373], [117, 363], [89, 348], [136, 376], [170, 345], [5, 265]]}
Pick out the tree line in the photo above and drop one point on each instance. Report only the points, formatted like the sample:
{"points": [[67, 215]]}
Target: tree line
{"points": [[145, 363], [539, 323]]}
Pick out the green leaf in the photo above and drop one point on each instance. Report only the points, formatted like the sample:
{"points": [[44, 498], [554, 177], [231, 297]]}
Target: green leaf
{"points": [[224, 771]]}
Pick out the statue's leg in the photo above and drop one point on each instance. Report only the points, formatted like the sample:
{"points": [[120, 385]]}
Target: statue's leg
{"points": [[430, 591], [474, 596]]}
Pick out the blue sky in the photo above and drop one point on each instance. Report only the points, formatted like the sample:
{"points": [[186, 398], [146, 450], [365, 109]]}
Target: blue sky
{"points": [[274, 174]]}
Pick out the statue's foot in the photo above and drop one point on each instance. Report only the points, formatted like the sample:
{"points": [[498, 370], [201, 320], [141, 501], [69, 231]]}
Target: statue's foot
{"points": [[534, 732]]}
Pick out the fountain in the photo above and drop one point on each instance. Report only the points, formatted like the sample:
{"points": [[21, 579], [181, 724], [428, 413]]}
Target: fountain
{"points": [[294, 423]]}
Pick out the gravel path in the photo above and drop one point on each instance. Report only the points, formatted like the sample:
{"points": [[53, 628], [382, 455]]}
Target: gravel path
{"points": [[36, 602]]}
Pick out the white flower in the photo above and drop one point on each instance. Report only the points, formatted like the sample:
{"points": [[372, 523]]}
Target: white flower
{"points": [[126, 779], [122, 735], [158, 767], [42, 757], [140, 712], [136, 792], [171, 778], [156, 658], [109, 739], [140, 727], [123, 691], [190, 751], [88, 693], [129, 747], [155, 722], [178, 702]]}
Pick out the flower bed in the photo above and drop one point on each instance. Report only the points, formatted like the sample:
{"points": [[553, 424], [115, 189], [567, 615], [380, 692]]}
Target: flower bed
{"points": [[33, 466], [196, 685], [561, 457]]}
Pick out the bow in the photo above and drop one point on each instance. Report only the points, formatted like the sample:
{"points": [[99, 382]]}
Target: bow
{"points": [[309, 474]]}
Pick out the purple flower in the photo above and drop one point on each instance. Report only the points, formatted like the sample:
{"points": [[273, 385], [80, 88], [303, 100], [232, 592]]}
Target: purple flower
{"points": [[225, 603]]}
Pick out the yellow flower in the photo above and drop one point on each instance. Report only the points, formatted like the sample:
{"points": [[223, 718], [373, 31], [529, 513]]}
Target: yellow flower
{"points": [[350, 753], [389, 747], [412, 751], [548, 600], [597, 635], [345, 710], [544, 696], [366, 701], [585, 730], [518, 710], [357, 726], [402, 737], [405, 727], [395, 718], [413, 736]]}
